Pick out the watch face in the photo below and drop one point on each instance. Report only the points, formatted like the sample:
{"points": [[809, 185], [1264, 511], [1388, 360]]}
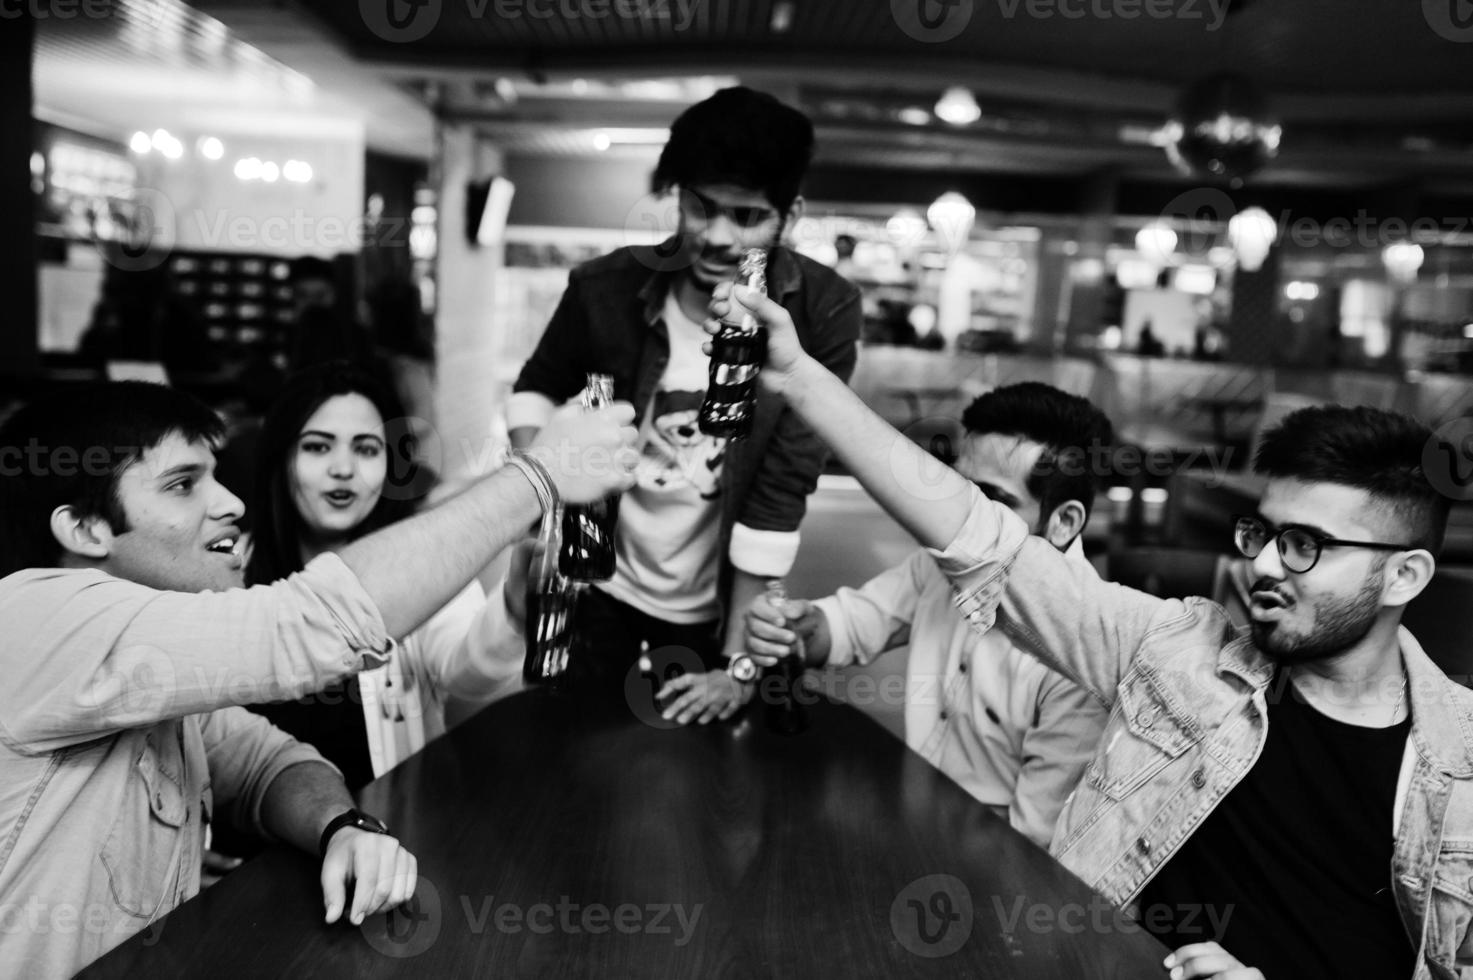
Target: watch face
{"points": [[372, 823], [743, 668]]}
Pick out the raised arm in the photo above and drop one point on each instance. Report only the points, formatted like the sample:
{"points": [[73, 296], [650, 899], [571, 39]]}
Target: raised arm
{"points": [[412, 568], [1061, 613]]}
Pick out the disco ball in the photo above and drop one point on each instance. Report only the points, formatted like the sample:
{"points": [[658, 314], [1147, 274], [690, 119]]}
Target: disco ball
{"points": [[1222, 129]]}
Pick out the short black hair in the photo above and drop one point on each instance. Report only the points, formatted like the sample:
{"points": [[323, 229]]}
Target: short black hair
{"points": [[70, 448], [1076, 437], [739, 136], [277, 550], [1372, 450]]}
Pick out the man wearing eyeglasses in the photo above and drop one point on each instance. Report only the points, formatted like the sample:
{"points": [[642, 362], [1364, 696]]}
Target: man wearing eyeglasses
{"points": [[1293, 800], [709, 521]]}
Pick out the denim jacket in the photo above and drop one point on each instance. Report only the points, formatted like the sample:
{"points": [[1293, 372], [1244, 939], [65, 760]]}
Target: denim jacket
{"points": [[610, 319], [1188, 720]]}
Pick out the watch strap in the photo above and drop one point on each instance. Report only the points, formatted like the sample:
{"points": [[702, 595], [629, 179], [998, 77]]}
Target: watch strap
{"points": [[352, 817]]}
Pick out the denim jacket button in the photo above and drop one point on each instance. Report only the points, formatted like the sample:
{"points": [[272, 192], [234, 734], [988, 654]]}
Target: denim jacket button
{"points": [[1199, 779], [1143, 845], [1146, 717]]}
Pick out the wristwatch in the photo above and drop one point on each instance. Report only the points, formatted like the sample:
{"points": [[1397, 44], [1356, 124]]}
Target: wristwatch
{"points": [[354, 818], [742, 669]]}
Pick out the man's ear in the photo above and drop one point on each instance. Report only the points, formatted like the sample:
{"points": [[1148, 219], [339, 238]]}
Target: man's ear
{"points": [[1065, 524], [85, 537], [1406, 576]]}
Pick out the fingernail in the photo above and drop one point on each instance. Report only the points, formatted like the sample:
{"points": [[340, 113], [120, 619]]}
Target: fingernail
{"points": [[1177, 973], [332, 911], [1169, 962], [358, 918]]}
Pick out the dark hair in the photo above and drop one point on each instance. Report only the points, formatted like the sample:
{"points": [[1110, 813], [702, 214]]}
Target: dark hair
{"points": [[277, 550], [312, 267], [1069, 427], [739, 136], [1366, 448], [69, 449]]}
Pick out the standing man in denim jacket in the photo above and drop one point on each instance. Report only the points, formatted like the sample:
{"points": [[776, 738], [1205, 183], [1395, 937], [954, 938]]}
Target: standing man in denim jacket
{"points": [[708, 520], [1297, 796]]}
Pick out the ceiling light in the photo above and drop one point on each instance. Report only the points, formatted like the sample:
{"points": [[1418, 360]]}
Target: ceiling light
{"points": [[1402, 260], [958, 107], [782, 17], [269, 172], [140, 143], [601, 141], [248, 169], [211, 149], [1252, 233], [952, 215], [914, 115], [297, 171], [1156, 242]]}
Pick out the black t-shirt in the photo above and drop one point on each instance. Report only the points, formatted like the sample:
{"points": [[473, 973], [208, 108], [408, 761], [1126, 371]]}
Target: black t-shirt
{"points": [[1291, 873]]}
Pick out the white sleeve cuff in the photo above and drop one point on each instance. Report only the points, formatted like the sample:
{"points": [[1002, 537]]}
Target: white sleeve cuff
{"points": [[528, 408], [841, 650], [766, 554]]}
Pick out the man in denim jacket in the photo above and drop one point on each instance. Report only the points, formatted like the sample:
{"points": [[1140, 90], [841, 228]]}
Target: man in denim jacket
{"points": [[1338, 841], [710, 519]]}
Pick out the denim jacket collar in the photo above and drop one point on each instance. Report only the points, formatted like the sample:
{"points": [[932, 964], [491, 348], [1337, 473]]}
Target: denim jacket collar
{"points": [[1442, 730], [1442, 727], [783, 278]]}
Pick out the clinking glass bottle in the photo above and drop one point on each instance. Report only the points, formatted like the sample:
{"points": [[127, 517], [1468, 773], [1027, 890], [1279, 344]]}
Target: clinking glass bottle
{"points": [[782, 686], [587, 552], [737, 353], [551, 601]]}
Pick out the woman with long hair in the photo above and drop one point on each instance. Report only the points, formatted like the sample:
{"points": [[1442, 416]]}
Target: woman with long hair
{"points": [[335, 461]]}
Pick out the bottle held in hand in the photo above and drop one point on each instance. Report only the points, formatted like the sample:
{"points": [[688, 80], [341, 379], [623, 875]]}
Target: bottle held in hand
{"points": [[737, 353], [587, 552], [785, 714], [551, 601]]}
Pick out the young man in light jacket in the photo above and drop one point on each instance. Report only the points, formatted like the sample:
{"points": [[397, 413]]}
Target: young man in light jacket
{"points": [[1291, 801], [130, 646]]}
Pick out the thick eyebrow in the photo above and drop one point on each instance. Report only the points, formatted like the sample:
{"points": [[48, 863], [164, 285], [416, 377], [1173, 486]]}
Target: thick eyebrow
{"points": [[1314, 529], [369, 435], [993, 492], [183, 469], [319, 434]]}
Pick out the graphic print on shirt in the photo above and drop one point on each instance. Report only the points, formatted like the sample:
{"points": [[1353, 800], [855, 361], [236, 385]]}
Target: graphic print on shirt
{"points": [[676, 453]]}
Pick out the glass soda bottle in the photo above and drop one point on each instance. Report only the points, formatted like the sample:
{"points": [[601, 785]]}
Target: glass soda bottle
{"points": [[587, 552], [785, 714], [551, 599], [737, 353]]}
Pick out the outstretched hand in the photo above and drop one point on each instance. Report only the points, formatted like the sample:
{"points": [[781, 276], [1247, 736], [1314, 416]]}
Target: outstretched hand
{"points": [[784, 353]]}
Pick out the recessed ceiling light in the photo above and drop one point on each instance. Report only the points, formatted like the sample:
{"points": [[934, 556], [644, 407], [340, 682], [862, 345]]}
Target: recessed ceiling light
{"points": [[958, 106]]}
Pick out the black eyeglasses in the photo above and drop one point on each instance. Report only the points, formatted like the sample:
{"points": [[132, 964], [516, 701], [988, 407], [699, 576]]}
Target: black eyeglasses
{"points": [[1299, 547]]}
